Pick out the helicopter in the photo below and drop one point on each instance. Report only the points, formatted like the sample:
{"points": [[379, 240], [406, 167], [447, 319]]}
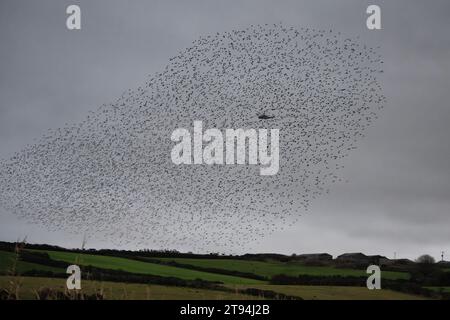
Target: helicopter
{"points": [[265, 117]]}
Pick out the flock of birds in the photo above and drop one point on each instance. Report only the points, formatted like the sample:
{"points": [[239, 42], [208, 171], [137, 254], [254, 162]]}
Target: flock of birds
{"points": [[111, 176]]}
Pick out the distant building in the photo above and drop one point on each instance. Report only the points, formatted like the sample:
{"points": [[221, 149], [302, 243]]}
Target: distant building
{"points": [[397, 264], [356, 257], [404, 262], [377, 259], [311, 257], [360, 259], [387, 262]]}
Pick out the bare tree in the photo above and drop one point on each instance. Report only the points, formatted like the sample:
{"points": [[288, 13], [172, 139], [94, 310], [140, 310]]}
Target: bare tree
{"points": [[425, 259]]}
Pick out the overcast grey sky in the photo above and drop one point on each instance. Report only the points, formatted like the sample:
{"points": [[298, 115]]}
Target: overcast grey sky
{"points": [[397, 198]]}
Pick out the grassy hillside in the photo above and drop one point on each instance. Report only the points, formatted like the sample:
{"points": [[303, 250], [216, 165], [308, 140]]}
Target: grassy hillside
{"points": [[273, 268], [122, 290], [335, 292], [8, 261], [139, 267], [113, 290], [28, 286]]}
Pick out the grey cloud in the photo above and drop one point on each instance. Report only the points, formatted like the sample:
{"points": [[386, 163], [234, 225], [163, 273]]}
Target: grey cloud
{"points": [[397, 197]]}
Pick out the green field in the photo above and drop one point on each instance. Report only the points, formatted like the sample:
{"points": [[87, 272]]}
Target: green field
{"points": [[9, 262], [269, 269], [335, 292], [139, 267], [28, 286]]}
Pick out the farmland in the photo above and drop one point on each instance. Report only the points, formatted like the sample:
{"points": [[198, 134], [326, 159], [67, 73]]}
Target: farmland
{"points": [[9, 263], [171, 275], [336, 292], [29, 286], [272, 268], [139, 267]]}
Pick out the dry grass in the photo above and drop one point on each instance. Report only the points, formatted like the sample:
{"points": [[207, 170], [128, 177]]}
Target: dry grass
{"points": [[12, 289], [334, 292], [50, 288]]}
